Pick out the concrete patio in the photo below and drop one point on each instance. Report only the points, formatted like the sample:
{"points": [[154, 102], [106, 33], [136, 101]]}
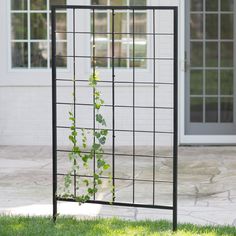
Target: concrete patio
{"points": [[207, 186]]}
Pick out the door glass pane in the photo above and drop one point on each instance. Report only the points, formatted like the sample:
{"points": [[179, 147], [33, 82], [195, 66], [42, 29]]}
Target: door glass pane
{"points": [[227, 54], [39, 54], [118, 2], [211, 26], [196, 26], [227, 82], [227, 110], [38, 26], [19, 28], [19, 55], [99, 2], [19, 5], [227, 5], [196, 54], [57, 2], [196, 82], [212, 109], [196, 110], [211, 54], [38, 4], [137, 2], [120, 54], [140, 23], [196, 5], [212, 5], [100, 23], [101, 52], [211, 82], [227, 22]]}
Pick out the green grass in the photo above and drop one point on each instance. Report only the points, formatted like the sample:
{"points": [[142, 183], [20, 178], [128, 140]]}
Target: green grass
{"points": [[40, 226]]}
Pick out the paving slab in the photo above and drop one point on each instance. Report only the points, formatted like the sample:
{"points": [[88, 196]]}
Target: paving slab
{"points": [[207, 185]]}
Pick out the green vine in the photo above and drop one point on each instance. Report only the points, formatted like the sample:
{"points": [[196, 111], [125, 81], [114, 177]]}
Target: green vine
{"points": [[84, 154]]}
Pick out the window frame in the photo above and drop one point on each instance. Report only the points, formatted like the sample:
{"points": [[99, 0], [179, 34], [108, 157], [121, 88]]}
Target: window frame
{"points": [[29, 40]]}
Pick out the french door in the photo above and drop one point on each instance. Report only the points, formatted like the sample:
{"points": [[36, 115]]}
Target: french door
{"points": [[210, 67]]}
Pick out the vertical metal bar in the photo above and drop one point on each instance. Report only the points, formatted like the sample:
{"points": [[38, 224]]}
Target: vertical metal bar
{"points": [[54, 116], [154, 104], [113, 104], [94, 111], [74, 92], [133, 26], [175, 138]]}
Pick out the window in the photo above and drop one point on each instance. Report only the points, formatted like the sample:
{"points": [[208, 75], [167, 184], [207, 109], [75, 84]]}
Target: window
{"points": [[30, 34], [123, 38]]}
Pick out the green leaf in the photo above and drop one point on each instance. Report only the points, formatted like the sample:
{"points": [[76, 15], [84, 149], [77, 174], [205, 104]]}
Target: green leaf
{"points": [[102, 140], [106, 166]]}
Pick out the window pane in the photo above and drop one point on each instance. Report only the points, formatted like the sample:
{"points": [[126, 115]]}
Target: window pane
{"points": [[39, 54], [61, 51], [196, 5], [99, 2], [57, 2], [227, 5], [227, 110], [196, 25], [137, 2], [212, 5], [140, 23], [211, 54], [19, 55], [211, 26], [19, 4], [211, 110], [227, 22], [227, 82], [227, 54], [38, 4], [196, 54], [211, 82], [19, 26], [61, 25], [196, 110], [196, 82], [38, 26]]}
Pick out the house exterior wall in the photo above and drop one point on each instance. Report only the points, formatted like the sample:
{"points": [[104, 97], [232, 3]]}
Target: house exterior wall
{"points": [[25, 100]]}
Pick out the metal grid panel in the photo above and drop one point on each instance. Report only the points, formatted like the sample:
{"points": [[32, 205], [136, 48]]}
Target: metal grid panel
{"points": [[133, 131]]}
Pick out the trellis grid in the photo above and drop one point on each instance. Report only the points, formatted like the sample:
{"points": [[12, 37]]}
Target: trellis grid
{"points": [[112, 83]]}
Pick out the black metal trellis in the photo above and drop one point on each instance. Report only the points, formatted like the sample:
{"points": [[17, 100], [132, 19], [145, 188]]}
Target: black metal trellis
{"points": [[113, 106]]}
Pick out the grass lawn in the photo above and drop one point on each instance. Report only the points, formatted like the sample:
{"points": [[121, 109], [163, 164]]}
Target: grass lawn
{"points": [[40, 226]]}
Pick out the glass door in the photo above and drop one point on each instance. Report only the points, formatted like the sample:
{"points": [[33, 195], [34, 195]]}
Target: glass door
{"points": [[210, 67]]}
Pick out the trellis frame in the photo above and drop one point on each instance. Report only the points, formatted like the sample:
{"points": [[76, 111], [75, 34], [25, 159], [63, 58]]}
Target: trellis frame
{"points": [[55, 150]]}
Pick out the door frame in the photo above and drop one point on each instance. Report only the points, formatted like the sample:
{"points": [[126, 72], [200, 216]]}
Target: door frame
{"points": [[188, 139]]}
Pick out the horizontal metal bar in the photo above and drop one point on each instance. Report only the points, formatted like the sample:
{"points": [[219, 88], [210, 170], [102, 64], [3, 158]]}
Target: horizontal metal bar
{"points": [[123, 154], [118, 82], [124, 179], [109, 33], [95, 7], [119, 130], [119, 204], [118, 58], [116, 106]]}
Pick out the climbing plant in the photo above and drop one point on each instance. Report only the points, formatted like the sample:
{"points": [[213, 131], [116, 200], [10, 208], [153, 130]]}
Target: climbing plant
{"points": [[82, 154]]}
